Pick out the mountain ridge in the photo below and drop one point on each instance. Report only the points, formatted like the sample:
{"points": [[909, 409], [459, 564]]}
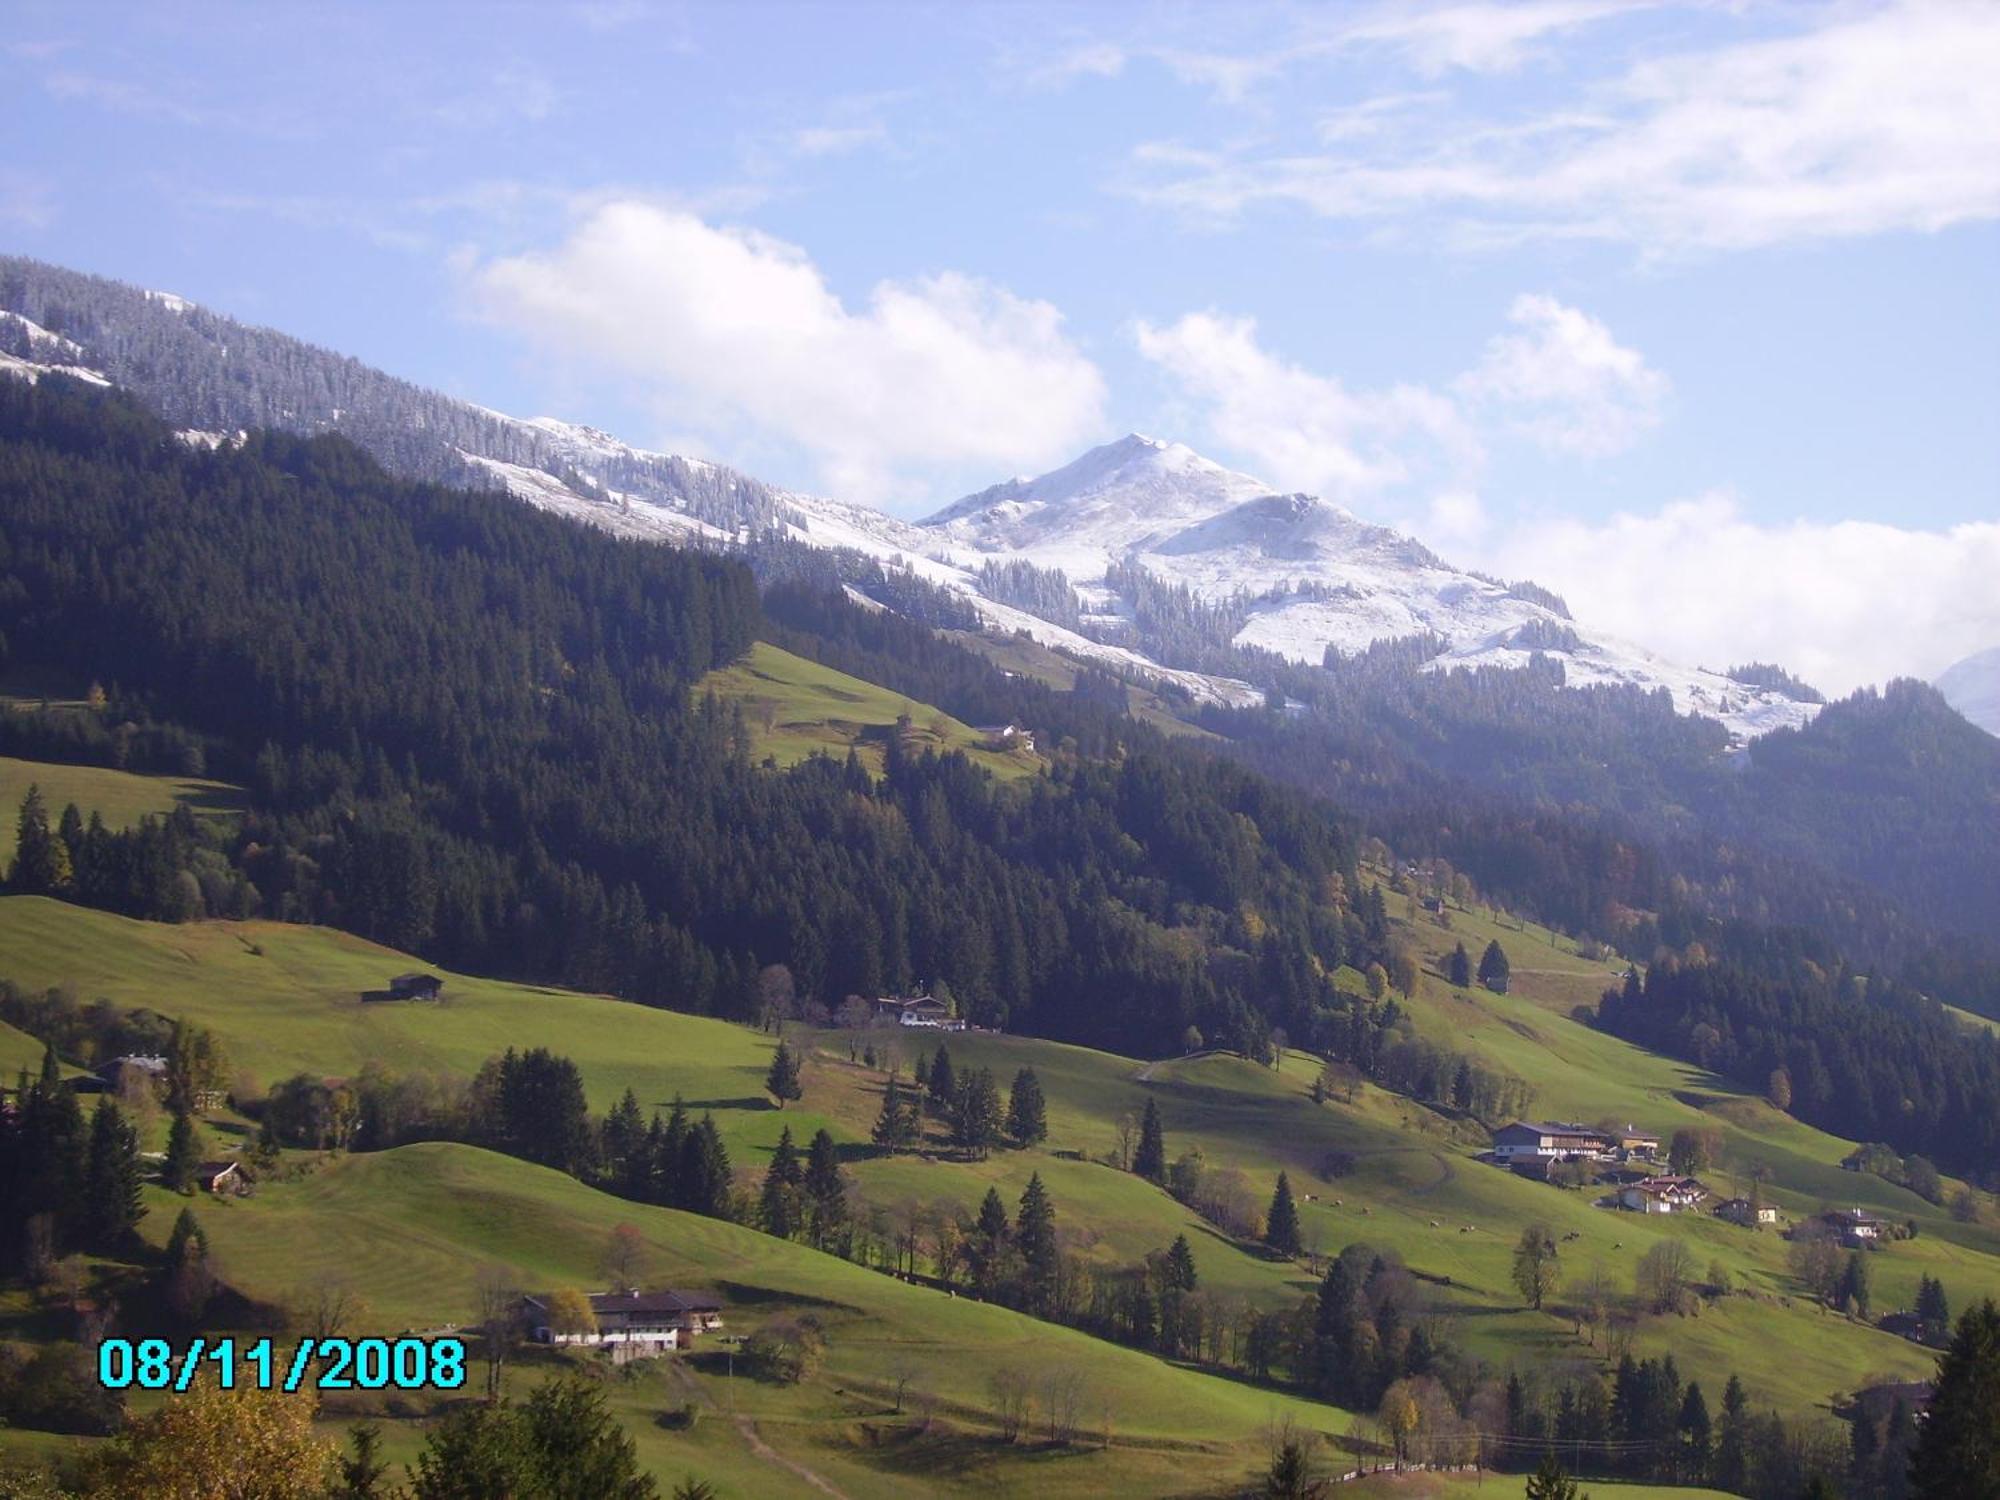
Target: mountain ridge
{"points": [[1289, 572]]}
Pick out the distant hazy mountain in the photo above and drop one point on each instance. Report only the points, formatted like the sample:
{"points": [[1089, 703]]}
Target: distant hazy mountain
{"points": [[1090, 558], [1972, 687]]}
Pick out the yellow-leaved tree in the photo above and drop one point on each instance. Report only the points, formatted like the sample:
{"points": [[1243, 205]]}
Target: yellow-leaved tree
{"points": [[213, 1444]]}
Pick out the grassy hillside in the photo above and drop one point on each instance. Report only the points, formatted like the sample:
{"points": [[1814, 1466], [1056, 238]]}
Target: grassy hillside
{"points": [[411, 1230], [284, 1000], [795, 707], [121, 797]]}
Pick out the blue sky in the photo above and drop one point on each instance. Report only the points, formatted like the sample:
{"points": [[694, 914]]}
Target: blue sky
{"points": [[1691, 310]]}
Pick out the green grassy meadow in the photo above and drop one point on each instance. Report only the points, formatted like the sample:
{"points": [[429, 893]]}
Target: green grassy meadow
{"points": [[796, 708], [411, 1228], [121, 797]]}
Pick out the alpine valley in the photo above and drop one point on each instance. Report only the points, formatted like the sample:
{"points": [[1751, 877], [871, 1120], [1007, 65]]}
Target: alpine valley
{"points": [[1135, 984]]}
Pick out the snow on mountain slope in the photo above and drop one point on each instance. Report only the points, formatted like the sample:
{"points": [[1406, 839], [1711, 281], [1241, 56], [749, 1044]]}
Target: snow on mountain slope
{"points": [[1972, 686], [1299, 574], [1309, 574]]}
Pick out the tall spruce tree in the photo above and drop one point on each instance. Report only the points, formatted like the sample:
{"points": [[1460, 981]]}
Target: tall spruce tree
{"points": [[1958, 1450], [112, 1203], [183, 1154], [896, 1126], [976, 1118], [782, 1082], [825, 1192], [1458, 967], [779, 1206], [1281, 1224], [1180, 1272], [1027, 1112], [942, 1082], [1035, 1235], [1150, 1160], [1493, 966]]}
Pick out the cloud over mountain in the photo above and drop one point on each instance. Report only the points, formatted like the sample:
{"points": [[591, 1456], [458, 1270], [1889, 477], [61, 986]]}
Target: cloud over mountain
{"points": [[738, 335]]}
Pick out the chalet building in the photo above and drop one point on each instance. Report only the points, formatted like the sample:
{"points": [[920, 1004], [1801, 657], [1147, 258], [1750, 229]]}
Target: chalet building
{"points": [[407, 987], [917, 1010], [1006, 737], [1636, 1144], [112, 1076], [1742, 1211], [632, 1325], [1662, 1195], [221, 1178], [1856, 1226], [1529, 1141]]}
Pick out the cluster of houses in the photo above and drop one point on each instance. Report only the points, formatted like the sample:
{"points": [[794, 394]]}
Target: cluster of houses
{"points": [[1533, 1148], [1009, 736], [630, 1325]]}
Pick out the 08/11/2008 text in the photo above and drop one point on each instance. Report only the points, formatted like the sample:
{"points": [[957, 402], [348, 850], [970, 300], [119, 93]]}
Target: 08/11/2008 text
{"points": [[328, 1364]]}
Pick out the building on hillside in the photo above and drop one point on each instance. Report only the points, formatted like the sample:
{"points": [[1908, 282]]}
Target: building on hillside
{"points": [[1527, 1141], [1497, 984], [1856, 1226], [408, 987], [1006, 736], [1635, 1144], [120, 1073], [1742, 1211], [1662, 1195], [917, 1010], [631, 1325], [221, 1178]]}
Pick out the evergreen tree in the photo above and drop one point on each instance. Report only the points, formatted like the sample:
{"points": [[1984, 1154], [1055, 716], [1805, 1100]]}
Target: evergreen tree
{"points": [[1732, 1457], [1027, 1113], [1854, 1290], [782, 1082], [1035, 1234], [976, 1112], [825, 1192], [1958, 1448], [1493, 966], [1458, 967], [111, 1186], [41, 860], [1180, 1272], [779, 1205], [362, 1472], [897, 1125], [943, 1084], [992, 1222], [626, 1146], [183, 1155], [1550, 1481], [704, 1184], [1281, 1225], [1932, 1307], [1693, 1425], [1150, 1160]]}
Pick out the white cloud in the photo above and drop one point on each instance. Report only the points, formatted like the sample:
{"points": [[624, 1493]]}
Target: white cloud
{"points": [[1842, 604], [1561, 379], [1479, 38], [1568, 383], [1084, 60], [1303, 430], [837, 140], [737, 334], [1885, 119]]}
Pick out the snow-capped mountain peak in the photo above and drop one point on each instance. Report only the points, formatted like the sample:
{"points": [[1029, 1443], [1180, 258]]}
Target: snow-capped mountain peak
{"points": [[1119, 495]]}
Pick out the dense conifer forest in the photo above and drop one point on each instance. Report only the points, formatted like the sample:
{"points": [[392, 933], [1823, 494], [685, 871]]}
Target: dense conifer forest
{"points": [[468, 730]]}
